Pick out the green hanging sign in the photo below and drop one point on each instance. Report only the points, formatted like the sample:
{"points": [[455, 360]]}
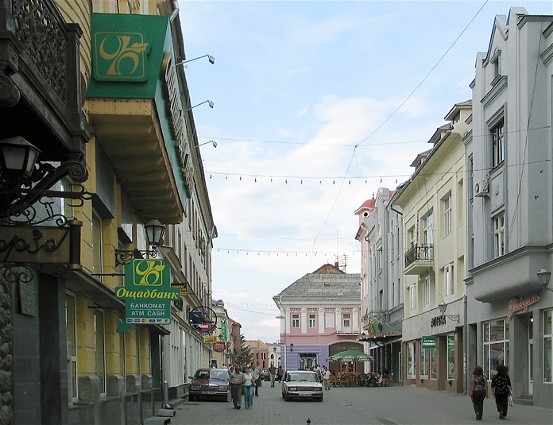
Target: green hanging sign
{"points": [[428, 342], [147, 292]]}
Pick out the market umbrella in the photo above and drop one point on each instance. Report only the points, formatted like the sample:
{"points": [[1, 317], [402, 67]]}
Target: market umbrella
{"points": [[350, 356]]}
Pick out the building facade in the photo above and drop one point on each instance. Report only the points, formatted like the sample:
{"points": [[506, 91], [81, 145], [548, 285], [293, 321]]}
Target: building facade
{"points": [[432, 202], [112, 91], [510, 204], [320, 316], [381, 237]]}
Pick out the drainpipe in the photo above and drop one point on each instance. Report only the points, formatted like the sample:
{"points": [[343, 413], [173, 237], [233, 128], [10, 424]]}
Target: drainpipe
{"points": [[465, 345]]}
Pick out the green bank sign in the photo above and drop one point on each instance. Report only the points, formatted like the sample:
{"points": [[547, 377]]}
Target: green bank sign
{"points": [[428, 342], [147, 292], [127, 55]]}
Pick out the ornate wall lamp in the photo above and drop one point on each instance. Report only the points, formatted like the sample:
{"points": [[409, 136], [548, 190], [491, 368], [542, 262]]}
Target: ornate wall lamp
{"points": [[291, 346], [443, 308], [24, 180], [544, 275], [154, 233]]}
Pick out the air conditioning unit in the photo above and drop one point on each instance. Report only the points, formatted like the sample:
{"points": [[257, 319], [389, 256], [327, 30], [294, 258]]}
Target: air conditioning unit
{"points": [[481, 188]]}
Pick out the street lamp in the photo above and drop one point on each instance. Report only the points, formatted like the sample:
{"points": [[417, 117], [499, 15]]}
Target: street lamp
{"points": [[210, 58], [24, 179], [443, 308], [281, 317], [213, 142], [154, 233], [209, 102], [544, 275]]}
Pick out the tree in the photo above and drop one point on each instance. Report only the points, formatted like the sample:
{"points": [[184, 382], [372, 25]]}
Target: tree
{"points": [[244, 356]]}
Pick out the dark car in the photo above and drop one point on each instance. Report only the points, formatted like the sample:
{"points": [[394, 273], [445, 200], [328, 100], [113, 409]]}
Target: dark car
{"points": [[209, 383], [303, 384]]}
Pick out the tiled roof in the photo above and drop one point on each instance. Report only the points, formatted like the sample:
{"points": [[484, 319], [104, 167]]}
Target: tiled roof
{"points": [[324, 285]]}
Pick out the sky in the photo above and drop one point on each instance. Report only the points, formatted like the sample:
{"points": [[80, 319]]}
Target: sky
{"points": [[317, 104]]}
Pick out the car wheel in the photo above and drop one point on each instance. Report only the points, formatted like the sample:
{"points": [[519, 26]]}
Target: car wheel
{"points": [[320, 399], [191, 397], [226, 398], [286, 398]]}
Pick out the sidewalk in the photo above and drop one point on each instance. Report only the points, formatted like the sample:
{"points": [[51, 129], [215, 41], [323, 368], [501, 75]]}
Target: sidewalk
{"points": [[396, 405]]}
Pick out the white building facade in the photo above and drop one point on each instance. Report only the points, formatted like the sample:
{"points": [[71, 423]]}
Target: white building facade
{"points": [[510, 205]]}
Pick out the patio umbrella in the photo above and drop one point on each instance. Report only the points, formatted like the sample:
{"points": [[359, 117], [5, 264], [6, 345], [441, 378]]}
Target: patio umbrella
{"points": [[350, 356]]}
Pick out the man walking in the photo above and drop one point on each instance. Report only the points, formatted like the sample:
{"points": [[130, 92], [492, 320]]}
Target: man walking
{"points": [[236, 380]]}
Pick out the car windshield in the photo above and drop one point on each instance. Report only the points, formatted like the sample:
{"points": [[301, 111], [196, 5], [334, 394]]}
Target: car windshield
{"points": [[302, 377], [221, 375], [202, 374]]}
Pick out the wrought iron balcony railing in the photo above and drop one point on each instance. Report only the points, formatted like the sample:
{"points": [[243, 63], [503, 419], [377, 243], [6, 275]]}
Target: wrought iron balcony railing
{"points": [[419, 252]]}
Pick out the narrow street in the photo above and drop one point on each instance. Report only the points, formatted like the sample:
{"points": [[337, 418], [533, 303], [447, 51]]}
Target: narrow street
{"points": [[356, 405]]}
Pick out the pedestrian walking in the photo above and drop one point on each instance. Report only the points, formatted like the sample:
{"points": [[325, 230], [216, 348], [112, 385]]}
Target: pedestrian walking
{"points": [[478, 391], [247, 387], [279, 374], [502, 389], [326, 378], [272, 372], [236, 380], [257, 376]]}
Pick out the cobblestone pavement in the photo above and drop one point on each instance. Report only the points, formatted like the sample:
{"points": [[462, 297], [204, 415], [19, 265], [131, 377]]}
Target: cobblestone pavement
{"points": [[396, 405]]}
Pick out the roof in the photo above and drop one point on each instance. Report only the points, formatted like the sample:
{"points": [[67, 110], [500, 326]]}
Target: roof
{"points": [[328, 282], [367, 205]]}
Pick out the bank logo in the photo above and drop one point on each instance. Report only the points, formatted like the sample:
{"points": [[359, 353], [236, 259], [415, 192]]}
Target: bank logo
{"points": [[120, 56]]}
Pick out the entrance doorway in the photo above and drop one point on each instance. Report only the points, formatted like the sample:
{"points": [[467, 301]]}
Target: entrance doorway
{"points": [[308, 361]]}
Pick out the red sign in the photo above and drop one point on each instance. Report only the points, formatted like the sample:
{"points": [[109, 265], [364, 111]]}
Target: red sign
{"points": [[219, 346]]}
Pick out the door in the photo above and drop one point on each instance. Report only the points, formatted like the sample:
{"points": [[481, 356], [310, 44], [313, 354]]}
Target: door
{"points": [[530, 354]]}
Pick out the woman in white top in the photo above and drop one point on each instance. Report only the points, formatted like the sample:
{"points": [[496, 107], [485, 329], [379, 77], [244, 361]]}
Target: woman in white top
{"points": [[248, 386]]}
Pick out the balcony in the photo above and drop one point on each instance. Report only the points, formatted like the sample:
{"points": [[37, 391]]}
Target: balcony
{"points": [[40, 97], [419, 260]]}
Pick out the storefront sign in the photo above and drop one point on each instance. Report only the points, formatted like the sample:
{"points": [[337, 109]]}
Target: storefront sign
{"points": [[521, 304], [219, 346], [438, 321], [147, 292], [428, 342], [211, 339]]}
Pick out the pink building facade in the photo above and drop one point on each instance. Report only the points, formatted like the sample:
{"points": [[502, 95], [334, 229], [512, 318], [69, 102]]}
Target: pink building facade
{"points": [[320, 316]]}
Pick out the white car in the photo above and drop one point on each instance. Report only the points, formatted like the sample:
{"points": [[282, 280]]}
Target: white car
{"points": [[304, 384]]}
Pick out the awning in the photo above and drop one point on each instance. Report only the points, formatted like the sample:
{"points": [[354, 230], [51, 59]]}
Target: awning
{"points": [[380, 333]]}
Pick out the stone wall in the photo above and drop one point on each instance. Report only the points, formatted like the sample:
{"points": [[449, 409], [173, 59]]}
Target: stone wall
{"points": [[6, 349]]}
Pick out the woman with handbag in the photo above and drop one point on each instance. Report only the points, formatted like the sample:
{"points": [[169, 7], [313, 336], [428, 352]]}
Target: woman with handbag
{"points": [[501, 388]]}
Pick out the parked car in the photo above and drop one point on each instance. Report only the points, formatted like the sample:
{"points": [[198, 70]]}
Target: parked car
{"points": [[304, 384], [209, 383]]}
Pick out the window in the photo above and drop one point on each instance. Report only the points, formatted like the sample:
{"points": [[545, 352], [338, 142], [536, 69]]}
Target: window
{"points": [[411, 362], [446, 205], [413, 298], [425, 357], [71, 329], [548, 346], [411, 236], [312, 321], [449, 285], [96, 243], [496, 345], [295, 320], [499, 235], [451, 357], [496, 65], [346, 320], [498, 144], [433, 364], [428, 291], [428, 232], [329, 318], [100, 351]]}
